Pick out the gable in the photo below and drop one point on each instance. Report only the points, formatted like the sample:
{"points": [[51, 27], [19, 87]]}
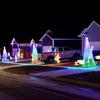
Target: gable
{"points": [[93, 31], [46, 41], [13, 41], [45, 35]]}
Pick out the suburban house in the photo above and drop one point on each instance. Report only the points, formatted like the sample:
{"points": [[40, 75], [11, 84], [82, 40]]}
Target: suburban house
{"points": [[93, 34], [51, 42], [24, 49]]}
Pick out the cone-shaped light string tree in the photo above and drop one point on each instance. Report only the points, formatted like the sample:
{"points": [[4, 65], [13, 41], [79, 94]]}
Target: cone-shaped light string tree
{"points": [[4, 56], [34, 53], [88, 60]]}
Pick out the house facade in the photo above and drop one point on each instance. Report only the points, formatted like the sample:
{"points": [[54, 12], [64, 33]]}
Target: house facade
{"points": [[23, 50], [51, 43], [14, 45], [47, 43], [93, 34]]}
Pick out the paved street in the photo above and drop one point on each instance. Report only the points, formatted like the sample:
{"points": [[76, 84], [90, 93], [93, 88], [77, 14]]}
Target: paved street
{"points": [[21, 87], [25, 88]]}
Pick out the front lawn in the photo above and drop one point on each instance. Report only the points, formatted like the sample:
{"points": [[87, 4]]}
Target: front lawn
{"points": [[31, 69]]}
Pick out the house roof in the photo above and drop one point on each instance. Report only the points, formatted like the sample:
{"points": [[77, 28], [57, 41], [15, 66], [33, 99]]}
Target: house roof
{"points": [[57, 36], [13, 41], [92, 31], [46, 34]]}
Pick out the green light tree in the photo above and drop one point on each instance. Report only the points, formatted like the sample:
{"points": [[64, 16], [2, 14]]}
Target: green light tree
{"points": [[88, 60]]}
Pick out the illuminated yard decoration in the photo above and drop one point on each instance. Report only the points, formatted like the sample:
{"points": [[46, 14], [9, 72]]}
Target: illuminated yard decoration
{"points": [[34, 53], [4, 56], [16, 58], [32, 42], [57, 57], [88, 60], [19, 53], [8, 56], [0, 56], [97, 57], [78, 62]]}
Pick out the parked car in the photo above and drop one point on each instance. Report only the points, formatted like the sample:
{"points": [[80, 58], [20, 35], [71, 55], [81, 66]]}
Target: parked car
{"points": [[65, 54]]}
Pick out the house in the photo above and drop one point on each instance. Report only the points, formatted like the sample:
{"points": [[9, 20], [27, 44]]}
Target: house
{"points": [[93, 34], [51, 41], [23, 49]]}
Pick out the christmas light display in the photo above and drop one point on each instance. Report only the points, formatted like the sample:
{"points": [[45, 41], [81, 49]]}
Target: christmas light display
{"points": [[88, 60], [34, 53], [4, 56], [57, 57]]}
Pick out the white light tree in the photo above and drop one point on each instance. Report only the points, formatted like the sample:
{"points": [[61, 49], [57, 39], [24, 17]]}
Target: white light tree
{"points": [[4, 56]]}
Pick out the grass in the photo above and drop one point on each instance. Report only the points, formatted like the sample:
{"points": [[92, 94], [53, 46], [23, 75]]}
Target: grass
{"points": [[30, 69]]}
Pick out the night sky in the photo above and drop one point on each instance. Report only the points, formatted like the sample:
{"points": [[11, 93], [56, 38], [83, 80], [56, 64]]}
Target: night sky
{"points": [[32, 22]]}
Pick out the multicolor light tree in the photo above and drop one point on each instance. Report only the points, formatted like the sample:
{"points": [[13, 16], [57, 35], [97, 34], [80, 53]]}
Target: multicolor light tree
{"points": [[34, 53], [88, 60]]}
